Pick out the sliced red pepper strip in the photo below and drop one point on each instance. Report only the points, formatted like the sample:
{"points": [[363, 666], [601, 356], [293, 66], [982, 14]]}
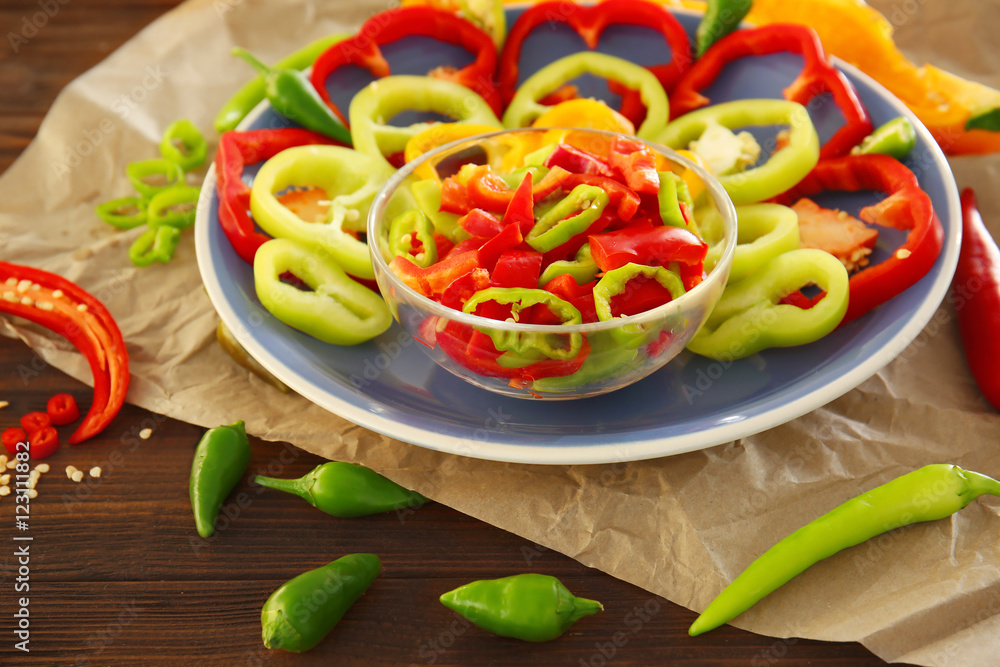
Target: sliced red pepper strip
{"points": [[636, 163], [818, 76], [433, 280], [65, 308], [652, 246], [521, 209], [480, 223], [393, 24], [590, 22], [906, 207], [488, 191], [490, 251], [517, 268], [236, 151]]}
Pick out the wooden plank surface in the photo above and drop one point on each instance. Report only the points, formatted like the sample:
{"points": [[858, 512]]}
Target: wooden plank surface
{"points": [[118, 575]]}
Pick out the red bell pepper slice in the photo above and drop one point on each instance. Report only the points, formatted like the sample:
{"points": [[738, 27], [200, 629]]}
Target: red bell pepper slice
{"points": [[460, 289], [455, 197], [577, 161], [906, 207], [818, 76], [652, 246], [393, 24], [589, 22], [488, 191], [622, 197], [580, 296], [236, 151], [517, 268], [480, 223], [490, 251], [636, 163], [521, 209], [433, 280], [70, 311]]}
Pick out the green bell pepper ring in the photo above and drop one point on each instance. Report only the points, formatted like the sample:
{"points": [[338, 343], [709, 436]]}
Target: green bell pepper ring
{"points": [[673, 194], [346, 490], [149, 177], [559, 224], [408, 228], [184, 144], [175, 207], [524, 108], [293, 618], [123, 213], [785, 167], [221, 458], [349, 178], [748, 317], [292, 95], [379, 101], [337, 310], [156, 244], [615, 282], [530, 347], [532, 607], [895, 139], [764, 231], [583, 268]]}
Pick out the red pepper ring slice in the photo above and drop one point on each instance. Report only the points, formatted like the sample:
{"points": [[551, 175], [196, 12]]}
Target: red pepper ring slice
{"points": [[818, 76], [590, 23], [70, 311], [906, 207], [388, 26]]}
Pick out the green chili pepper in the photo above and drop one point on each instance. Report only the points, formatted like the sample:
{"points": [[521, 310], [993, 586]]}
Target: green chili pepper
{"points": [[334, 308], [615, 282], [292, 95], [175, 207], [673, 192], [346, 490], [525, 107], [721, 18], [895, 138], [156, 244], [784, 169], [526, 348], [559, 224], [254, 91], [927, 494], [532, 607], [124, 213], [583, 268], [220, 460], [748, 317], [764, 231], [303, 610], [149, 177], [427, 194], [412, 226], [184, 144]]}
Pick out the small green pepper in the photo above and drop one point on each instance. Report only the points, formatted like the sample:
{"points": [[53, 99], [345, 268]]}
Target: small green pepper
{"points": [[149, 177], [292, 95], [346, 490], [156, 244], [184, 144], [573, 215], [895, 139], [405, 229], [532, 607], [221, 458], [175, 207], [721, 18], [582, 267], [124, 213], [305, 609]]}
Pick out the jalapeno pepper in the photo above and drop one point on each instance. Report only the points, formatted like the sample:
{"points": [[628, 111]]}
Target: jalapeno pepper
{"points": [[68, 310], [784, 169], [524, 108], [818, 76], [184, 144], [149, 177], [156, 244], [335, 309], [532, 607], [123, 213], [388, 26], [221, 458]]}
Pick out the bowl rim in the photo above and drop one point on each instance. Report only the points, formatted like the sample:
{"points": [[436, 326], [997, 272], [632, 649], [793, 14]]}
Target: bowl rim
{"points": [[720, 272]]}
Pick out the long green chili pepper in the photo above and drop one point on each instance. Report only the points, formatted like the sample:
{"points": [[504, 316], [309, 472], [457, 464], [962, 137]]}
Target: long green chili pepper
{"points": [[927, 494], [303, 610], [293, 96], [253, 92], [721, 18], [532, 607], [220, 460], [346, 490]]}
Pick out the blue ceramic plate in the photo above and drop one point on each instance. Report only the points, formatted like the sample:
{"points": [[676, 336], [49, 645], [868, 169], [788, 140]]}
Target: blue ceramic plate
{"points": [[389, 385]]}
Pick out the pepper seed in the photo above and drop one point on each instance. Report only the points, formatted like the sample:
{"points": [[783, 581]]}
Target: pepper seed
{"points": [[42, 467], [4, 404], [77, 476], [57, 294], [32, 493], [69, 471], [4, 491], [95, 471], [4, 480], [146, 433]]}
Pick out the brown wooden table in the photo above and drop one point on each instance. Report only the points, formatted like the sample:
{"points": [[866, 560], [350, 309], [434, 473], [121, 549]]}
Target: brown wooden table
{"points": [[119, 576]]}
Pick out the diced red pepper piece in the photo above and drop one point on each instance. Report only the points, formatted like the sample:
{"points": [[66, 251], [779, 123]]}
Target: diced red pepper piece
{"points": [[480, 223], [521, 209], [459, 291], [641, 293], [62, 409], [517, 268], [443, 243], [652, 246], [458, 342], [465, 245], [581, 296], [507, 239], [455, 197], [636, 163], [577, 161], [433, 280]]}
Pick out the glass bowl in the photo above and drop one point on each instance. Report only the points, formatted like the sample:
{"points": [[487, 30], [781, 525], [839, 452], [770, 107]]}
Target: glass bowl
{"points": [[617, 352]]}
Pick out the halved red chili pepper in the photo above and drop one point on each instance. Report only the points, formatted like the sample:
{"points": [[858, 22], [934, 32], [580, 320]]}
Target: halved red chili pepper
{"points": [[12, 437], [906, 207], [652, 246], [236, 151], [590, 22], [43, 443], [393, 24], [70, 311], [62, 409], [33, 421], [818, 76]]}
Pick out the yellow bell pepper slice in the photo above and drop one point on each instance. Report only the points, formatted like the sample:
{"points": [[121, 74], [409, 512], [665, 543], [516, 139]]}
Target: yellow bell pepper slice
{"points": [[439, 134]]}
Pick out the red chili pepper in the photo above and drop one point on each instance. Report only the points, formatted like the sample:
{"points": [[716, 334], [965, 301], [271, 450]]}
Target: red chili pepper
{"points": [[590, 22], [43, 443], [236, 151], [906, 207], [68, 310], [33, 421], [12, 437], [62, 409], [976, 294], [393, 24], [653, 246], [818, 76]]}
